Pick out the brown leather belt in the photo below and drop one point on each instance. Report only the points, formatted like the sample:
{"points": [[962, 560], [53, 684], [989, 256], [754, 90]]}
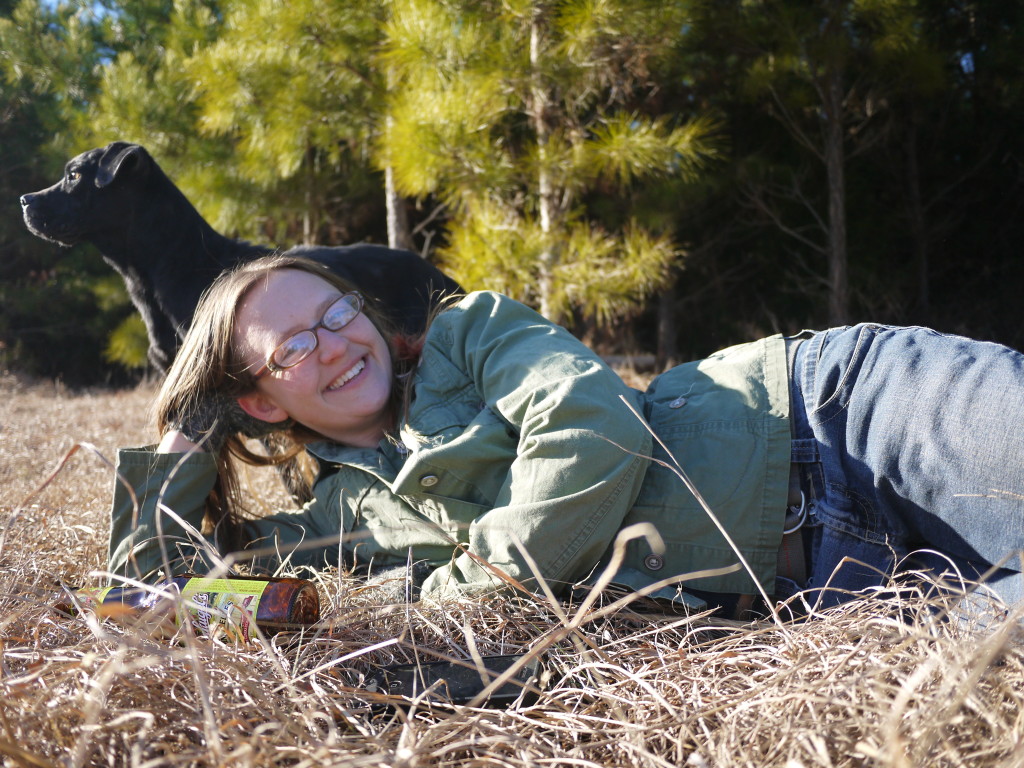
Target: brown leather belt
{"points": [[791, 562]]}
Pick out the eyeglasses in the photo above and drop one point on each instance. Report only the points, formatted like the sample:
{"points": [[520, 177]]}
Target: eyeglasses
{"points": [[301, 345]]}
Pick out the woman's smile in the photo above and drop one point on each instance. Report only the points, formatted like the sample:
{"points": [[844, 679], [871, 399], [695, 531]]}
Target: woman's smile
{"points": [[342, 390], [346, 377]]}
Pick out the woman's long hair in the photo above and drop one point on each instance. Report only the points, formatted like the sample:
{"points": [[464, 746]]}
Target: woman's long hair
{"points": [[208, 367]]}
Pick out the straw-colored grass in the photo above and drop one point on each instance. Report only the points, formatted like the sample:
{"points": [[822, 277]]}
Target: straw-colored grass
{"points": [[880, 682]]}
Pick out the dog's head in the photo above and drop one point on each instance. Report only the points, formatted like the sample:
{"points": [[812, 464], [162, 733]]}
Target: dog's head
{"points": [[90, 197]]}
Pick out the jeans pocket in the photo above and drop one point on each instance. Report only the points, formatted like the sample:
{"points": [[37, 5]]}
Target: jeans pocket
{"points": [[840, 359]]}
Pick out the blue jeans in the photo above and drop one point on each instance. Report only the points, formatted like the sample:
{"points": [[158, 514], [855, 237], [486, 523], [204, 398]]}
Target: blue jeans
{"points": [[909, 440]]}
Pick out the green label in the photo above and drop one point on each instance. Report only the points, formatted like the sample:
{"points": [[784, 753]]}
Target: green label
{"points": [[225, 606]]}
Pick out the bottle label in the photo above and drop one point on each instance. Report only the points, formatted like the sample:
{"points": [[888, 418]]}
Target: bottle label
{"points": [[223, 606]]}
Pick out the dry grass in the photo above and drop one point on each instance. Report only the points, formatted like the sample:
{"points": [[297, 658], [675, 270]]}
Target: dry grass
{"points": [[854, 687]]}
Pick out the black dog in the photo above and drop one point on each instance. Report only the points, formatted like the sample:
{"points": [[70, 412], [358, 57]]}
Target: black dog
{"points": [[119, 199]]}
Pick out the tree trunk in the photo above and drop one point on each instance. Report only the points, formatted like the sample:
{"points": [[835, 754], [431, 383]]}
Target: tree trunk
{"points": [[545, 204], [309, 212], [918, 223], [668, 333], [399, 235], [838, 297]]}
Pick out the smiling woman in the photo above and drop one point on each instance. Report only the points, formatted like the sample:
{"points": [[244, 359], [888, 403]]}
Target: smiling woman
{"points": [[339, 384], [498, 450]]}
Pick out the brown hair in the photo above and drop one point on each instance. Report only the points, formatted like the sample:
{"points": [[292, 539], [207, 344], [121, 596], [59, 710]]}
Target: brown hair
{"points": [[209, 366]]}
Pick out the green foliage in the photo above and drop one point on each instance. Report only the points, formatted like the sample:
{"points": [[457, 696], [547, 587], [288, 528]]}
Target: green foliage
{"points": [[48, 68], [514, 113], [610, 276], [55, 323], [128, 344], [147, 97], [49, 321], [576, 154], [627, 149], [296, 105]]}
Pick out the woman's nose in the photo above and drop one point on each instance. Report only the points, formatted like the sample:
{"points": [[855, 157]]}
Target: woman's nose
{"points": [[331, 344]]}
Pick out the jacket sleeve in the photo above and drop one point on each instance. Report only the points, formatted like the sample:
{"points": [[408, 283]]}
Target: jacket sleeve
{"points": [[145, 538], [157, 513], [580, 456]]}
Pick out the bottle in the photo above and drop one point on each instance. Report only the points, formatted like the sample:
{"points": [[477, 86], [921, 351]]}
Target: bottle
{"points": [[216, 607]]}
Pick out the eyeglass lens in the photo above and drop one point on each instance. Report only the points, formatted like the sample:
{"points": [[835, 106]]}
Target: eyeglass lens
{"points": [[297, 348]]}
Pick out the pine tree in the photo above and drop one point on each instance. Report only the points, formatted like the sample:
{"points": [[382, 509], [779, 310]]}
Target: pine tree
{"points": [[826, 70], [514, 114], [293, 87]]}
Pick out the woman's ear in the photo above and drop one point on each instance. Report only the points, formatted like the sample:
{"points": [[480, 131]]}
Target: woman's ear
{"points": [[261, 407]]}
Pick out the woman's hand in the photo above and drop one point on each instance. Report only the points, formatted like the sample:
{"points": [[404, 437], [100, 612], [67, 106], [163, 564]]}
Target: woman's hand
{"points": [[174, 441], [210, 420]]}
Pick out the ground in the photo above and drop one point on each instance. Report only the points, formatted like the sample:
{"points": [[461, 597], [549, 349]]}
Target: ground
{"points": [[885, 681]]}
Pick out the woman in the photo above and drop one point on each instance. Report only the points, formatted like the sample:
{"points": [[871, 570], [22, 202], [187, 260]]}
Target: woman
{"points": [[499, 447]]}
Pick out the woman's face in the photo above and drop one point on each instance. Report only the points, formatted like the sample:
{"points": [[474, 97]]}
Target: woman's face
{"points": [[342, 390]]}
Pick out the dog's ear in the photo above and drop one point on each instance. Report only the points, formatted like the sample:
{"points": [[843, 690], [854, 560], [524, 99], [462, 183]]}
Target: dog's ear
{"points": [[119, 158]]}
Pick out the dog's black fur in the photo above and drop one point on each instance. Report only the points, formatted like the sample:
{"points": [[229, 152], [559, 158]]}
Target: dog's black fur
{"points": [[118, 198]]}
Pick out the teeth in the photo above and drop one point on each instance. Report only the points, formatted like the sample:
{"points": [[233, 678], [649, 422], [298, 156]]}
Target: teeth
{"points": [[346, 377]]}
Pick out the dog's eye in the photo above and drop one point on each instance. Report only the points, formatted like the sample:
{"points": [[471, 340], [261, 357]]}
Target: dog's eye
{"points": [[74, 175]]}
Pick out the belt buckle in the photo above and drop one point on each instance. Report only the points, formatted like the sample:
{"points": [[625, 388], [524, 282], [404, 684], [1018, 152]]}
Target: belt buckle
{"points": [[795, 518]]}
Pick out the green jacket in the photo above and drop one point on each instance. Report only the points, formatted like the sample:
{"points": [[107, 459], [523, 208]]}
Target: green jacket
{"points": [[519, 436]]}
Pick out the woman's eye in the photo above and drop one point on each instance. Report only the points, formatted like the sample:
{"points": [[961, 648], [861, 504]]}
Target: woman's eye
{"points": [[295, 349], [340, 314], [338, 318]]}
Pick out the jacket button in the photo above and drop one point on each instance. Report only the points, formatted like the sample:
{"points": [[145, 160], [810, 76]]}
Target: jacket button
{"points": [[654, 562], [679, 402], [428, 481]]}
